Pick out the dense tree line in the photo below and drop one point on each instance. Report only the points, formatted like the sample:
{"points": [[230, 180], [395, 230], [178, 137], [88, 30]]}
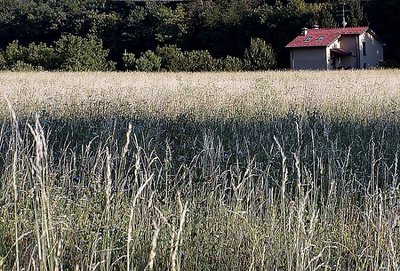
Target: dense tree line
{"points": [[190, 36]]}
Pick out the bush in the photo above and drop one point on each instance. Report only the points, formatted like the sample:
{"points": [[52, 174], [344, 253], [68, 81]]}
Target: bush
{"points": [[391, 64], [71, 53], [2, 61], [21, 66], [196, 61], [129, 61], [148, 62], [259, 56], [232, 64], [31, 58], [76, 53], [40, 55], [12, 54], [171, 58]]}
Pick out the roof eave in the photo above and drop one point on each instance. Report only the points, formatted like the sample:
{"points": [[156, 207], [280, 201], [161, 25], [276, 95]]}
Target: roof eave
{"points": [[376, 36], [333, 41], [308, 46]]}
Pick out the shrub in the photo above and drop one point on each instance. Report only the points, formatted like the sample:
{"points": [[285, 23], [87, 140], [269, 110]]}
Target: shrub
{"points": [[2, 61], [21, 66], [76, 53], [12, 54], [392, 64], [171, 57], [40, 55], [148, 62], [129, 61], [232, 64], [31, 58], [71, 53], [259, 56], [196, 61]]}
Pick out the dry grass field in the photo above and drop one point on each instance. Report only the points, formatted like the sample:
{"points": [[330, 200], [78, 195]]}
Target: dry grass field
{"points": [[343, 94], [203, 171]]}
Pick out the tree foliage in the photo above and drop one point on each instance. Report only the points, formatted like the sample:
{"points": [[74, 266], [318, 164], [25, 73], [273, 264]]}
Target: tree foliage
{"points": [[148, 62], [385, 21], [75, 53], [259, 56], [69, 53], [199, 30], [129, 61], [171, 57]]}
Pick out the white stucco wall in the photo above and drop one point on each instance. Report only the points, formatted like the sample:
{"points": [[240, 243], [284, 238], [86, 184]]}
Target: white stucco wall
{"points": [[374, 51], [308, 58], [349, 43], [320, 58], [335, 44]]}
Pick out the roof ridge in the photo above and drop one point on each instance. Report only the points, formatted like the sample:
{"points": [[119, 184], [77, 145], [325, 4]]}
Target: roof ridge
{"points": [[326, 36], [341, 27]]}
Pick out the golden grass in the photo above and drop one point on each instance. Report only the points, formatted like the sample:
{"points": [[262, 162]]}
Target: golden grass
{"points": [[122, 183], [349, 94]]}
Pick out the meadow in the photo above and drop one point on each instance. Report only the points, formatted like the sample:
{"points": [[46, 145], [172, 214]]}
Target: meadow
{"points": [[200, 171]]}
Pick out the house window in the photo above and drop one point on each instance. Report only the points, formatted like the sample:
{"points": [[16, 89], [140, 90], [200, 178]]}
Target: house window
{"points": [[364, 48], [308, 39], [321, 38]]}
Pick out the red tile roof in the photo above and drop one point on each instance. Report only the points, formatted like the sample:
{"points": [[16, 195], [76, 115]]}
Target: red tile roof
{"points": [[324, 36]]}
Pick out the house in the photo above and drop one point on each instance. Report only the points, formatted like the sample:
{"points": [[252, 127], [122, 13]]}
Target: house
{"points": [[335, 48]]}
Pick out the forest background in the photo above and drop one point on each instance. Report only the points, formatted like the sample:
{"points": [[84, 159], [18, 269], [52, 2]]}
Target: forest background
{"points": [[197, 35]]}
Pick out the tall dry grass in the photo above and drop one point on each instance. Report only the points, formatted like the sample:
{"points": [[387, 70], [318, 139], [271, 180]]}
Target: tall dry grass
{"points": [[246, 171], [342, 94]]}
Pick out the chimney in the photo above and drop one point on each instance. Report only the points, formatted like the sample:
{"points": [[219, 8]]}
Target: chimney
{"points": [[304, 31], [315, 26]]}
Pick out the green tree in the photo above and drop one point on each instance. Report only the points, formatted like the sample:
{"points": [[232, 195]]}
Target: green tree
{"points": [[129, 61], [232, 64], [155, 24], [13, 53], [170, 23], [356, 16], [171, 57], [3, 65], [222, 27], [21, 66], [197, 61], [137, 32], [325, 16], [75, 53], [33, 57], [259, 56], [354, 13], [282, 22], [148, 62], [40, 55], [107, 26], [387, 28]]}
